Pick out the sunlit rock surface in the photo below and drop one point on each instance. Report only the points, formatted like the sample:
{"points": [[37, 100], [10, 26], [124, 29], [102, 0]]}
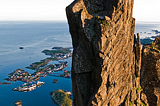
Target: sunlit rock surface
{"points": [[106, 57]]}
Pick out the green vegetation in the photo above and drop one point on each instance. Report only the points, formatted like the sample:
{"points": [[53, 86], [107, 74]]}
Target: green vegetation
{"points": [[51, 66], [97, 17], [41, 70], [85, 10], [51, 59], [139, 89], [130, 103], [19, 69], [44, 62], [155, 47], [62, 98], [53, 52], [103, 22], [143, 103], [44, 69], [68, 72], [39, 64], [23, 75]]}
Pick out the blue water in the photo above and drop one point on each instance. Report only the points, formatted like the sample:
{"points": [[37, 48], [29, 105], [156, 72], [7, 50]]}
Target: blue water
{"points": [[34, 37], [145, 28]]}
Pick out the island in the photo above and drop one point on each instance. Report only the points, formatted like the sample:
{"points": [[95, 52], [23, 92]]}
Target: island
{"points": [[56, 51], [6, 83], [21, 47], [61, 97], [56, 54], [42, 69], [18, 103], [156, 31], [42, 63], [66, 74], [55, 81], [24, 76], [28, 86]]}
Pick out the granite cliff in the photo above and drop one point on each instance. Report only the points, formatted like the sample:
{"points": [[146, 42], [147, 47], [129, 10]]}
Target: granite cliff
{"points": [[106, 60], [150, 72]]}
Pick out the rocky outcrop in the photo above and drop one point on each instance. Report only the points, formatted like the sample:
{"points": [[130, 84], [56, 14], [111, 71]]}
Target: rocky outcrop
{"points": [[106, 58], [6, 83], [18, 103], [61, 97], [150, 72]]}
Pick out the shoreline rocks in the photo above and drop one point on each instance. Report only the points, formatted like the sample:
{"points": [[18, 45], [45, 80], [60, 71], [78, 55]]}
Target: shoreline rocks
{"points": [[28, 86], [55, 81], [18, 103], [61, 97], [6, 83]]}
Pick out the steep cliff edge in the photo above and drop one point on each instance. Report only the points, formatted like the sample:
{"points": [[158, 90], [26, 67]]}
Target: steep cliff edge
{"points": [[106, 58], [150, 72]]}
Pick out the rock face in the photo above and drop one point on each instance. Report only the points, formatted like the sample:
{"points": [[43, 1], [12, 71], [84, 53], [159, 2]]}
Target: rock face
{"points": [[150, 73], [106, 58]]}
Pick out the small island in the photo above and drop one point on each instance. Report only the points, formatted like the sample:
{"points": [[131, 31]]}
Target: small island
{"points": [[55, 81], [56, 54], [42, 63], [29, 86], [6, 83], [21, 47], [61, 97], [156, 31], [66, 74], [57, 50], [18, 103]]}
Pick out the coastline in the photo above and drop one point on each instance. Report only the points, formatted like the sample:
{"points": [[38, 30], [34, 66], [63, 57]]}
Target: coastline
{"points": [[42, 69], [55, 102], [61, 97], [34, 37]]}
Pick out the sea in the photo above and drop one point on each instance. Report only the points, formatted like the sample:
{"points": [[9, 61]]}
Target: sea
{"points": [[36, 36]]}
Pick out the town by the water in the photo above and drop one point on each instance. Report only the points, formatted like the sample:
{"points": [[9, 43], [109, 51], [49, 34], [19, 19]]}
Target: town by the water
{"points": [[42, 69]]}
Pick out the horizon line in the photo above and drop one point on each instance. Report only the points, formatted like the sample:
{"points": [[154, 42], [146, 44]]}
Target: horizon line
{"points": [[67, 21]]}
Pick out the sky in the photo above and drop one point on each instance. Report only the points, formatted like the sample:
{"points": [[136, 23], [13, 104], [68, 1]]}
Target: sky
{"points": [[144, 10]]}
